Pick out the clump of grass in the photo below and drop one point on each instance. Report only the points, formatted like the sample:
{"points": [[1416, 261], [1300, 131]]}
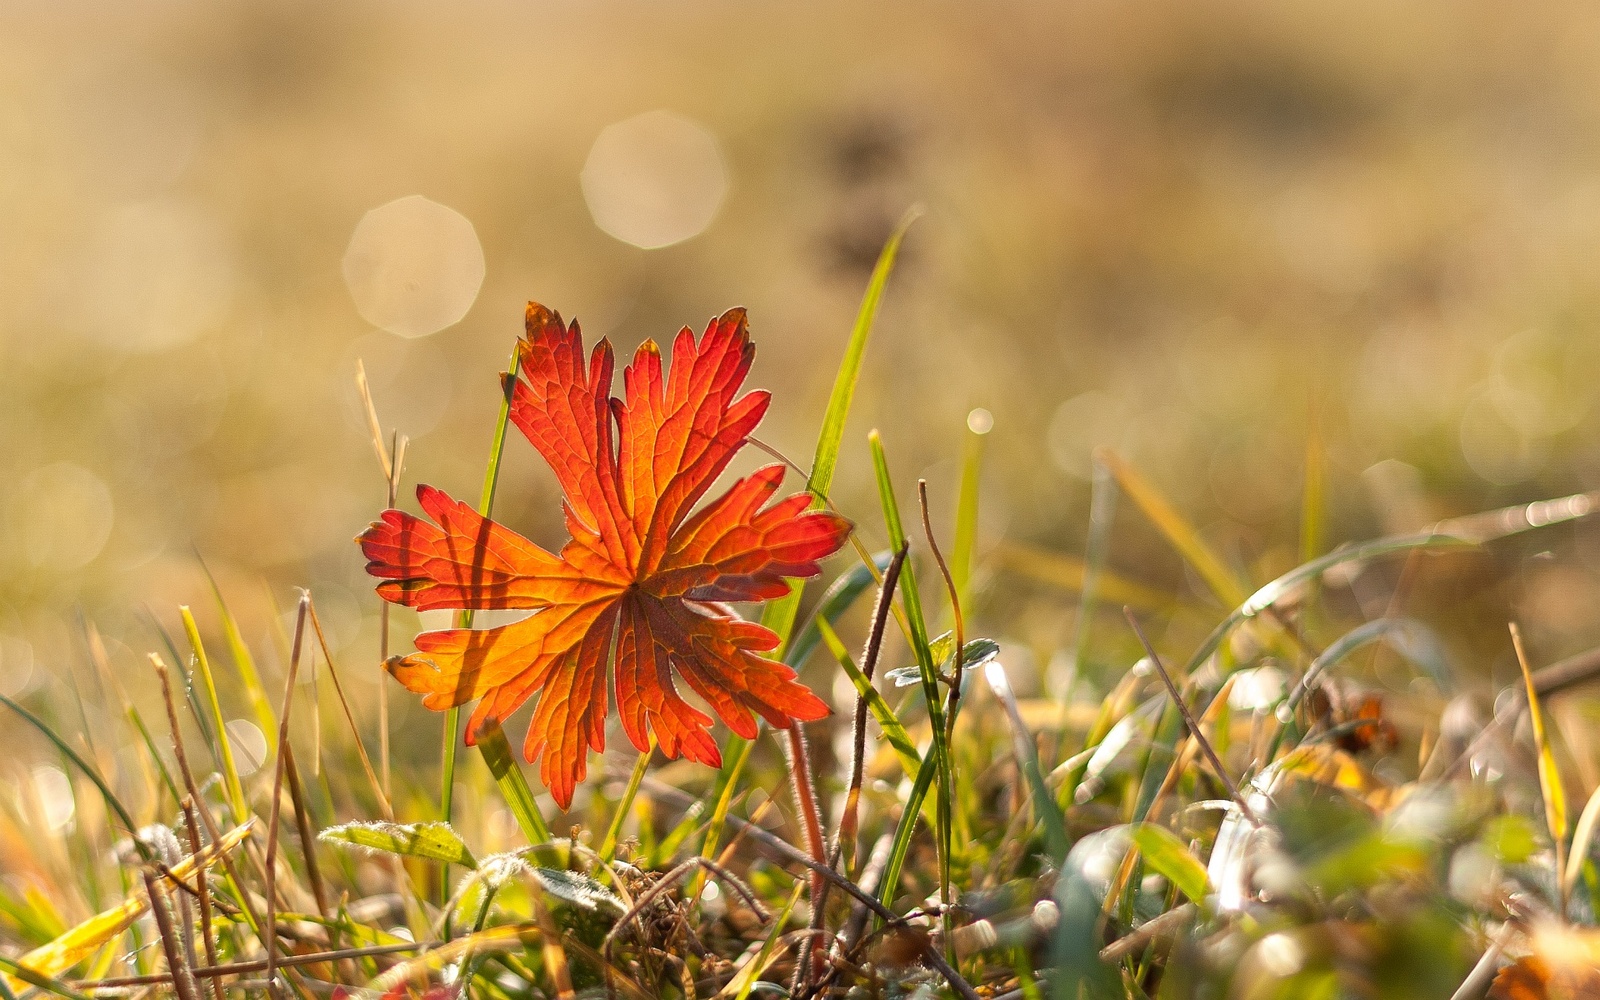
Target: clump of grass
{"points": [[1257, 822]]}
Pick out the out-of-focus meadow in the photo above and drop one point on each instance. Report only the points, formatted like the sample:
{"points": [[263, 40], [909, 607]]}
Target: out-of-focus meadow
{"points": [[1192, 233]]}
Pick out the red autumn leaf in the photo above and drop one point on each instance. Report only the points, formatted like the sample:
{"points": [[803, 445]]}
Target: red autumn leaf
{"points": [[641, 578]]}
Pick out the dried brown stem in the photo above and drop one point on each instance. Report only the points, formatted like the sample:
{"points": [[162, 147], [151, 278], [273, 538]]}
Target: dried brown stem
{"points": [[182, 978], [869, 664], [189, 785], [203, 890], [277, 787]]}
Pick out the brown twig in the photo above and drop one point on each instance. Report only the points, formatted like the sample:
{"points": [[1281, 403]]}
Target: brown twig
{"points": [[1189, 720], [277, 788], [182, 978], [203, 890], [869, 664], [355, 732], [199, 801]]}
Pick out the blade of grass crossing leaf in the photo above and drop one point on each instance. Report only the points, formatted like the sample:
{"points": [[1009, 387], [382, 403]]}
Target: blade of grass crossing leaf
{"points": [[1177, 529], [513, 784], [245, 663], [779, 615], [888, 722], [979, 423], [491, 479], [230, 772]]}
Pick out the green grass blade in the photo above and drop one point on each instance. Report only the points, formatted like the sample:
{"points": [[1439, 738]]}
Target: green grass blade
{"points": [[844, 383], [230, 772], [245, 663], [737, 753], [979, 423], [1172, 860], [887, 721], [904, 829], [608, 846], [34, 979], [1102, 514], [88, 769], [1027, 754], [779, 615], [753, 971], [513, 784], [491, 481]]}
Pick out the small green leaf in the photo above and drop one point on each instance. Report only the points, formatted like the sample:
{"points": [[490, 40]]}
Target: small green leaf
{"points": [[905, 677], [435, 841], [1170, 858]]}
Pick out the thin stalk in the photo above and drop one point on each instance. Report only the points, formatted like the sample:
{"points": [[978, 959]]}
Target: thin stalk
{"points": [[1189, 720], [203, 890], [277, 787], [953, 701], [182, 978], [491, 479], [212, 831], [805, 795], [608, 846], [869, 663]]}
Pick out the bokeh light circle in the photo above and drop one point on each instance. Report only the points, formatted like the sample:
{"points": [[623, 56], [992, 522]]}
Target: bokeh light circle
{"points": [[68, 513], [414, 266], [654, 180]]}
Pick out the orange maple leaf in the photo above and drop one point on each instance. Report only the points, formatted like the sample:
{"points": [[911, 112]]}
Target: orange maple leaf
{"points": [[641, 578]]}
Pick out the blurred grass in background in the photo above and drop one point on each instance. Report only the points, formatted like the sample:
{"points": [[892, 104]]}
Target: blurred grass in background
{"points": [[1179, 231]]}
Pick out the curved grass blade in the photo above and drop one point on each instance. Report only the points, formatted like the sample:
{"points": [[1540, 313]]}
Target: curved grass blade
{"points": [[230, 772], [979, 423], [889, 723], [1177, 529], [88, 769], [779, 615], [245, 663]]}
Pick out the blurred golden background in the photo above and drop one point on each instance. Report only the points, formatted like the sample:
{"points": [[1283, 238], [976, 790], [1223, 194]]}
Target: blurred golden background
{"points": [[1178, 230]]}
